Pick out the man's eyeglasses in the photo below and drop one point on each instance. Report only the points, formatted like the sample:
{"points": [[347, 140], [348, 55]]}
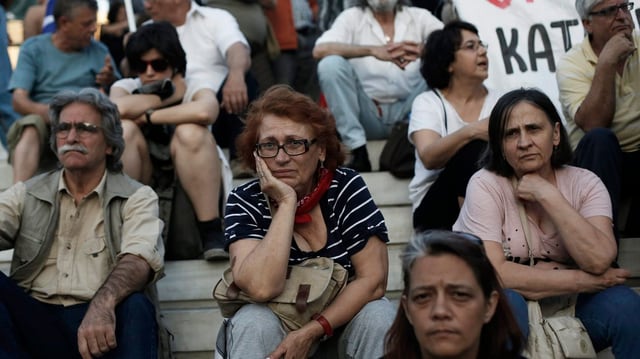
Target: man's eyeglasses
{"points": [[83, 129], [613, 10], [291, 147], [473, 45], [158, 65]]}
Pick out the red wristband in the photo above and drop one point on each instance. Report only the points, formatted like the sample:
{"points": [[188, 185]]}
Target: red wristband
{"points": [[326, 326]]}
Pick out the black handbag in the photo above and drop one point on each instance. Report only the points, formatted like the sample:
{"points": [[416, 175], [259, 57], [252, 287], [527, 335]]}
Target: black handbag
{"points": [[398, 155]]}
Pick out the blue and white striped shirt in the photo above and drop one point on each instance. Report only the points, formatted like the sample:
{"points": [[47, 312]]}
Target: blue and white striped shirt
{"points": [[348, 209]]}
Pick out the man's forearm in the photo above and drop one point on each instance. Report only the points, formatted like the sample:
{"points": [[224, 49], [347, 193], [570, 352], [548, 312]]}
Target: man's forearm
{"points": [[599, 106], [130, 275]]}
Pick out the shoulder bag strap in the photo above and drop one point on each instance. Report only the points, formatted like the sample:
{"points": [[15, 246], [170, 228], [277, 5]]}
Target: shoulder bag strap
{"points": [[443, 110], [525, 223]]}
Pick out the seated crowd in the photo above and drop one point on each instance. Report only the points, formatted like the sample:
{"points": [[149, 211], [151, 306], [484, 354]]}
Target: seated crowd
{"points": [[534, 207]]}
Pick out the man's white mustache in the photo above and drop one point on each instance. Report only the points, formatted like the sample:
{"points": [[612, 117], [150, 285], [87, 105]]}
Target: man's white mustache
{"points": [[78, 148]]}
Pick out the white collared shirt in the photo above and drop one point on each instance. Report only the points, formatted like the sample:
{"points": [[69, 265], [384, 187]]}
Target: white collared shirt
{"points": [[206, 36], [383, 80]]}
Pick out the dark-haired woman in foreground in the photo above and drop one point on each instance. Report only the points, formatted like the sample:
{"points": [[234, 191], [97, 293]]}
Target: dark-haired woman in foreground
{"points": [[452, 302]]}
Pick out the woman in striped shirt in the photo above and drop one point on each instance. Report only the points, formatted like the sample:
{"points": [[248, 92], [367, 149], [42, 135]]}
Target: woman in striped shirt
{"points": [[304, 205]]}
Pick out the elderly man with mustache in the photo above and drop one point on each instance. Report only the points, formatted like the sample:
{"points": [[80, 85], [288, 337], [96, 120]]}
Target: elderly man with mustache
{"points": [[86, 242]]}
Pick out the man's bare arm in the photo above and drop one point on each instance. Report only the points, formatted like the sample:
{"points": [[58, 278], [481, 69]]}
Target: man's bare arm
{"points": [[97, 332], [599, 106], [234, 92]]}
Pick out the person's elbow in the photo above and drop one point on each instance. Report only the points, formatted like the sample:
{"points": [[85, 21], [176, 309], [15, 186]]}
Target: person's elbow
{"points": [[376, 286], [18, 105], [319, 52], [206, 116], [599, 261], [379, 290], [261, 292], [597, 266]]}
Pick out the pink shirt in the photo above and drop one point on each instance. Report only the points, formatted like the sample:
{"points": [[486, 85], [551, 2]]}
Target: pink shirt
{"points": [[490, 211]]}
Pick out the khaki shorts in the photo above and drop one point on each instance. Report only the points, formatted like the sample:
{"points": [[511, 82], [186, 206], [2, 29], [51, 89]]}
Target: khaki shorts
{"points": [[48, 159]]}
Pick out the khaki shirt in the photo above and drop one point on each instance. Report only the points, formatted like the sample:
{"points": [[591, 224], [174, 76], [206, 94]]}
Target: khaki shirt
{"points": [[79, 262], [575, 74]]}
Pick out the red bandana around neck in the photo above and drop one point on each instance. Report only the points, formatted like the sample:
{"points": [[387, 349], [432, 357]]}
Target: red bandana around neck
{"points": [[309, 201]]}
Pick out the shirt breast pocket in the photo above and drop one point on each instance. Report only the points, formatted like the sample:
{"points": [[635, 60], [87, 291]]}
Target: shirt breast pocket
{"points": [[26, 247], [94, 247]]}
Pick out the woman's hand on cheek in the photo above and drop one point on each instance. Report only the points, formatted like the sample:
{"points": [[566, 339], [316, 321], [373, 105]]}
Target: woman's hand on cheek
{"points": [[271, 186]]}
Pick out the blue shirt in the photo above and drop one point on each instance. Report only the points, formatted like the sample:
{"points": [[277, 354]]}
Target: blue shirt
{"points": [[43, 70], [7, 115]]}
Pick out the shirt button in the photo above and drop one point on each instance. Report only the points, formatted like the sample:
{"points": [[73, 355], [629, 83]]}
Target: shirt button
{"points": [[68, 245], [66, 275]]}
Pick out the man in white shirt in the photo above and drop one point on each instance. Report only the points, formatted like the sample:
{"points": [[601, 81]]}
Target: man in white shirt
{"points": [[369, 70]]}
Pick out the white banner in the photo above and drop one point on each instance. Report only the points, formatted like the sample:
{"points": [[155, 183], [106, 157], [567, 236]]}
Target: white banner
{"points": [[526, 39]]}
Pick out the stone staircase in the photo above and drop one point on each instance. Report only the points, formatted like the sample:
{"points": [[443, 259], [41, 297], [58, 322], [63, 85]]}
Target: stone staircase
{"points": [[191, 314]]}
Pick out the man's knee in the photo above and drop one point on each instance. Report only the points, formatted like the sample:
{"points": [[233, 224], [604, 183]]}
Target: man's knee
{"points": [[135, 309], [31, 128], [600, 138], [331, 66]]}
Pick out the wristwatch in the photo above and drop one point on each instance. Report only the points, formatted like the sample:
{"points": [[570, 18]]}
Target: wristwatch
{"points": [[147, 115]]}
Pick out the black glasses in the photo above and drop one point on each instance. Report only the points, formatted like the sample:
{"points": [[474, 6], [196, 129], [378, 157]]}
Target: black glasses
{"points": [[473, 45], [158, 65], [291, 147], [613, 10], [83, 129]]}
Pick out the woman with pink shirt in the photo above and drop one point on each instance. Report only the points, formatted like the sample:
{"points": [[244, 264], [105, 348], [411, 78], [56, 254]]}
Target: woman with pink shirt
{"points": [[568, 212]]}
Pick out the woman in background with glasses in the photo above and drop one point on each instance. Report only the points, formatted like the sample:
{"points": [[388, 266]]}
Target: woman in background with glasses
{"points": [[303, 205], [528, 204], [452, 304], [447, 123]]}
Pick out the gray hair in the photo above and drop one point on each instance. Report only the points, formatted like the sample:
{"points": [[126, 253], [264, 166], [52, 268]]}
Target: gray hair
{"points": [[66, 7], [584, 7], [465, 246], [110, 123]]}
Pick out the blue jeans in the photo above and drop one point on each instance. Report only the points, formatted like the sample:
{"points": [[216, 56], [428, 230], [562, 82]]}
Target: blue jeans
{"points": [[357, 116], [611, 317], [599, 151], [32, 329], [254, 332]]}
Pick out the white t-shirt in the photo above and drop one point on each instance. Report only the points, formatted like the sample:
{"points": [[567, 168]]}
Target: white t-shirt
{"points": [[382, 80], [428, 113]]}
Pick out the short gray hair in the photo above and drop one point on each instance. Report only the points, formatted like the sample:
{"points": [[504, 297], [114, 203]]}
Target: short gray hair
{"points": [[583, 7], [111, 125]]}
